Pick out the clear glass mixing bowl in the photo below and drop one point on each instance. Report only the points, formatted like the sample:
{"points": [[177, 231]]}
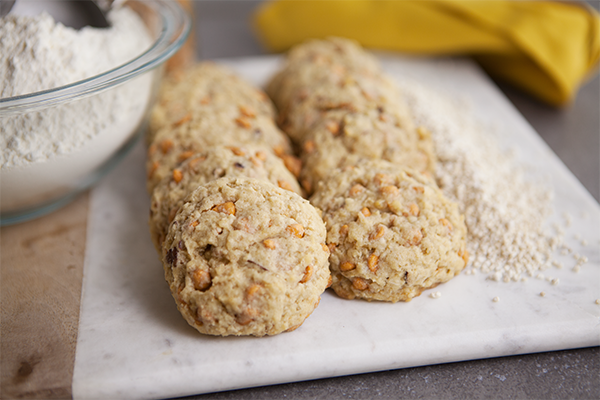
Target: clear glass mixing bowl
{"points": [[31, 190]]}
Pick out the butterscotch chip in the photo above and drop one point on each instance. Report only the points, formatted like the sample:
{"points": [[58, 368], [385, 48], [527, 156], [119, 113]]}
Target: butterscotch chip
{"points": [[228, 280], [333, 127], [225, 208], [261, 155], [309, 146], [247, 112], [243, 122], [270, 244], [403, 247], [236, 150], [307, 274], [201, 279], [177, 175], [293, 164], [183, 120], [166, 145], [296, 230], [356, 189], [347, 266], [185, 155], [285, 185], [372, 262], [359, 284], [201, 168]]}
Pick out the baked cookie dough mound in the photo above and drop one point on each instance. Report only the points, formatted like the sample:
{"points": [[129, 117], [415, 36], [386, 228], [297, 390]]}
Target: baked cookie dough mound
{"points": [[204, 89], [171, 146], [391, 232], [213, 163], [356, 93], [341, 140], [334, 56], [243, 257]]}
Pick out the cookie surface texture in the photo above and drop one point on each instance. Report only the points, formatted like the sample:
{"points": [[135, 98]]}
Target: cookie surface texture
{"points": [[171, 146], [203, 89], [215, 162], [391, 232], [243, 257], [375, 134]]}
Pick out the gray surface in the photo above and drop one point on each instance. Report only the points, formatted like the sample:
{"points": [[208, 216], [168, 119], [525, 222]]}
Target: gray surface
{"points": [[222, 30]]}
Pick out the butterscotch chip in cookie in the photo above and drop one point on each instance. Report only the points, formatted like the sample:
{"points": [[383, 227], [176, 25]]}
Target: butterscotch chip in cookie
{"points": [[411, 239], [200, 168], [244, 273]]}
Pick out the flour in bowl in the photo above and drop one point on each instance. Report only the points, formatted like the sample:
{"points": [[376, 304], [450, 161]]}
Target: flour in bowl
{"points": [[46, 152]]}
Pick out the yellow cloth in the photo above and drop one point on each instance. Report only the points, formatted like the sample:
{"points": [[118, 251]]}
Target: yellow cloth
{"points": [[547, 48]]}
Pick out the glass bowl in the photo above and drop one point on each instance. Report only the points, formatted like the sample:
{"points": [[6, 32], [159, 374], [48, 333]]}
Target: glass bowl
{"points": [[38, 187]]}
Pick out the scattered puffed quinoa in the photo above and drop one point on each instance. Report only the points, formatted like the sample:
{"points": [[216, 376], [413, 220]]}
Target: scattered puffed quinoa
{"points": [[597, 301], [568, 219], [554, 281], [576, 268], [496, 299], [507, 237], [584, 242], [577, 236], [435, 295], [543, 294]]}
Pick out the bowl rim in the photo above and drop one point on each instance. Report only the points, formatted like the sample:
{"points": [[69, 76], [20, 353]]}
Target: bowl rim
{"points": [[176, 27]]}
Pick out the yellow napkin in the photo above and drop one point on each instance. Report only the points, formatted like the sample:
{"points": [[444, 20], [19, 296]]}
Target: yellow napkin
{"points": [[547, 48]]}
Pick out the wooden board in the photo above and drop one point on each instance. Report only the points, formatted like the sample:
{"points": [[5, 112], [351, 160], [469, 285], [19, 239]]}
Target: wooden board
{"points": [[41, 273]]}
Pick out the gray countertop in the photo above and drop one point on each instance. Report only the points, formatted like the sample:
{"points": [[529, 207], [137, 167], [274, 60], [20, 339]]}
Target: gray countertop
{"points": [[573, 133]]}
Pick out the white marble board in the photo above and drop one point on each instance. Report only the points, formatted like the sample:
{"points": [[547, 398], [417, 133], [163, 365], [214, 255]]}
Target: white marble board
{"points": [[133, 343]]}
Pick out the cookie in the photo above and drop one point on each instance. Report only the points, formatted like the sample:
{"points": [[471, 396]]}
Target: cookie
{"points": [[309, 104], [202, 90], [213, 163], [345, 139], [243, 257], [171, 146], [391, 232], [320, 61]]}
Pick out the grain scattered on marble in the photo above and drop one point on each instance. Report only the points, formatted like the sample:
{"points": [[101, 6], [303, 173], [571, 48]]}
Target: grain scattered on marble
{"points": [[507, 236]]}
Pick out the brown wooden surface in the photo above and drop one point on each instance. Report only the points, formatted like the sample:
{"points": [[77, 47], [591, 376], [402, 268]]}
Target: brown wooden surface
{"points": [[41, 269]]}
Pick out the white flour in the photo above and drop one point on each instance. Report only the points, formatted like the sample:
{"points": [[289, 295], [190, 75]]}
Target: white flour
{"points": [[504, 212], [46, 152]]}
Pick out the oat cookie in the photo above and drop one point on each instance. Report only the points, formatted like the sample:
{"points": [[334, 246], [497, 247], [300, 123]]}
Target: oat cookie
{"points": [[171, 146], [391, 232], [243, 257], [202, 90], [213, 163], [331, 58], [341, 140]]}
